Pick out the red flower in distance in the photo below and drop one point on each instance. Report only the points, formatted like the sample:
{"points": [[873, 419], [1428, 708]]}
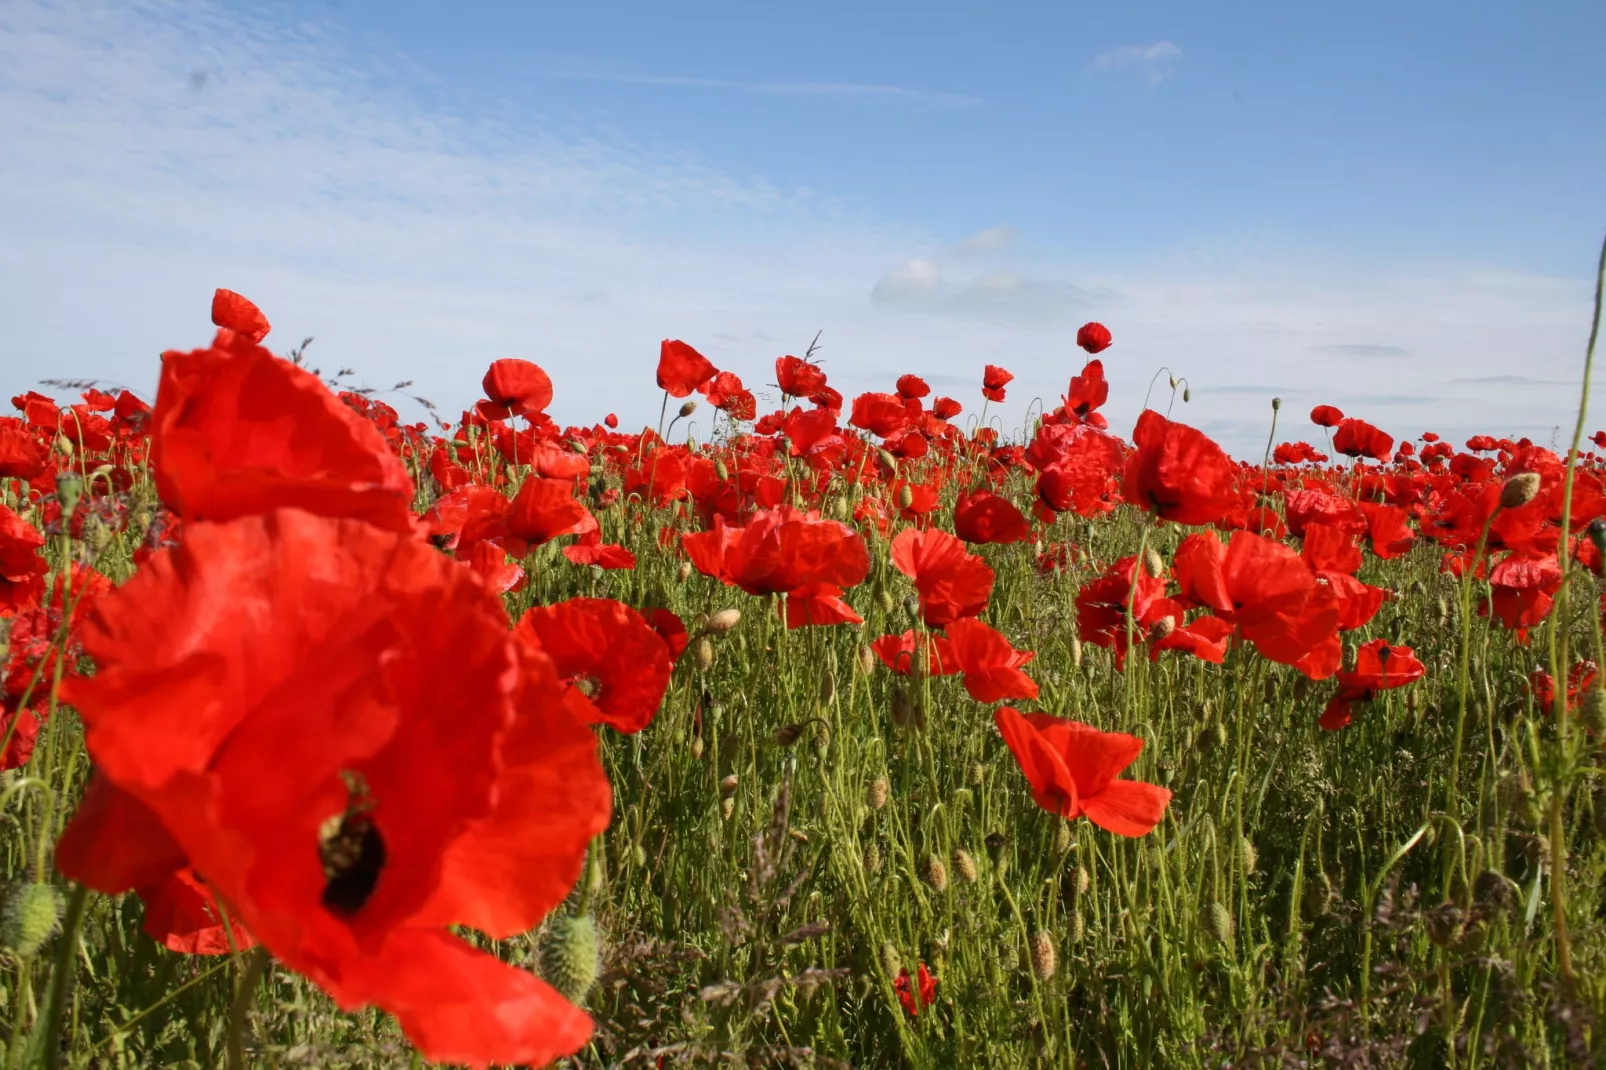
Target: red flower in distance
{"points": [[608, 654], [21, 453], [543, 509], [235, 313], [897, 652], [516, 387], [22, 567], [990, 664], [1177, 473], [1072, 769], [236, 431], [1093, 337], [921, 993], [1326, 416], [912, 386], [993, 381], [780, 550], [1379, 666], [879, 414], [681, 369], [952, 581], [363, 759], [1357, 438], [798, 378]]}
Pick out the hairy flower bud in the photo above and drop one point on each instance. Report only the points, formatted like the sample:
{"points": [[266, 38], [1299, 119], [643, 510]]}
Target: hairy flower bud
{"points": [[688, 408], [1217, 921], [965, 866], [1044, 957], [878, 793], [1519, 490], [723, 621], [570, 955], [32, 915], [936, 873]]}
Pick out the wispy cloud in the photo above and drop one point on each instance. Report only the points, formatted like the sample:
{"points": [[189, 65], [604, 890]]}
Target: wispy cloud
{"points": [[600, 73], [990, 240], [1154, 63], [1000, 297], [1360, 349]]}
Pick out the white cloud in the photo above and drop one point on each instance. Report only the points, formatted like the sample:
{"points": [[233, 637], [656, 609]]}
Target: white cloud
{"points": [[986, 241], [1154, 62]]}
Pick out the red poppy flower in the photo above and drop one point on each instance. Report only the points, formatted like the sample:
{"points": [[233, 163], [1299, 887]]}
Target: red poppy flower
{"points": [[920, 994], [611, 420], [681, 369], [798, 378], [993, 381], [1326, 416], [21, 453], [879, 414], [1357, 438], [589, 549], [1583, 675], [22, 567], [946, 408], [1103, 606], [990, 664], [912, 386], [365, 758], [235, 313], [1072, 769], [897, 652], [543, 509], [818, 604], [984, 517], [236, 430], [1379, 666], [780, 550], [1093, 337], [608, 654], [1089, 391], [670, 628], [1177, 473], [952, 581], [516, 387]]}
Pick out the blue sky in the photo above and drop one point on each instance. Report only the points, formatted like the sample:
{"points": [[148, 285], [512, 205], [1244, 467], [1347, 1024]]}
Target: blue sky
{"points": [[1395, 208]]}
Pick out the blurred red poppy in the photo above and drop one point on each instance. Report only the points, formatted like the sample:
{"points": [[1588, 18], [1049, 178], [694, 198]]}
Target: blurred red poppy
{"points": [[610, 657], [681, 369], [1326, 416], [921, 993], [235, 313], [1178, 473], [1093, 337], [984, 517]]}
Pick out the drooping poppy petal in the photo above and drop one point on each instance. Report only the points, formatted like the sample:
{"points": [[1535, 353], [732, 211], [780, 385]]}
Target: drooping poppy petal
{"points": [[681, 369], [235, 313]]}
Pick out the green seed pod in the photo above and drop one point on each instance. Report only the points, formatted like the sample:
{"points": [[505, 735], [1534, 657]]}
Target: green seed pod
{"points": [[1217, 921], [887, 601], [31, 917], [1045, 959], [570, 955], [840, 509], [965, 866], [720, 470]]}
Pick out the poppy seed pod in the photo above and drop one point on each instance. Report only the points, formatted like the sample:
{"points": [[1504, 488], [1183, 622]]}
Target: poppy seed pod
{"points": [[1519, 490], [687, 408], [1276, 404], [32, 916]]}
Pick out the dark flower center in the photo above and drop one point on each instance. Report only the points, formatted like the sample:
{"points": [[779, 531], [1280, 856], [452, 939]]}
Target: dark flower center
{"points": [[353, 855]]}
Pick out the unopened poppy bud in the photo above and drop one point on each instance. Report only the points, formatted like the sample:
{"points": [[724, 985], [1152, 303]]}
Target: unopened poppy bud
{"points": [[727, 807], [889, 460], [1078, 928], [1318, 895], [720, 470], [872, 858], [965, 866], [827, 687], [723, 621], [976, 774], [577, 446], [685, 571], [1172, 379], [32, 916], [1519, 490], [1162, 628], [703, 653], [1187, 394], [998, 851], [1045, 960], [1597, 534], [727, 787], [936, 874], [69, 491], [840, 508], [906, 497], [906, 711], [697, 747], [788, 734], [1153, 563], [867, 660], [1276, 404], [1062, 837], [1592, 709], [886, 600], [878, 793], [688, 408], [63, 445], [1217, 921], [891, 961], [1493, 890], [1078, 881], [1247, 854], [1076, 652]]}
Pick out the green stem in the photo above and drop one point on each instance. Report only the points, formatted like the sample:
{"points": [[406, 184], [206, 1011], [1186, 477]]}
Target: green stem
{"points": [[47, 1045], [256, 964]]}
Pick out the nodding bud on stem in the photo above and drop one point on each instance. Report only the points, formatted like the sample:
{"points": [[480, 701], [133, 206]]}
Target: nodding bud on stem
{"points": [[1153, 563], [1162, 628], [1173, 381], [1187, 394], [1276, 403], [723, 621], [1519, 490], [888, 459], [687, 409], [906, 497]]}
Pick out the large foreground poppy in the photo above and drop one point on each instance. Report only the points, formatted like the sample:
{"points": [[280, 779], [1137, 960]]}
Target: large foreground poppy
{"points": [[334, 727], [1072, 768]]}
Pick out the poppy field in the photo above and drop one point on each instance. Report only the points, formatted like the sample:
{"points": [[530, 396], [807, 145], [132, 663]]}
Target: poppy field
{"points": [[858, 732]]}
